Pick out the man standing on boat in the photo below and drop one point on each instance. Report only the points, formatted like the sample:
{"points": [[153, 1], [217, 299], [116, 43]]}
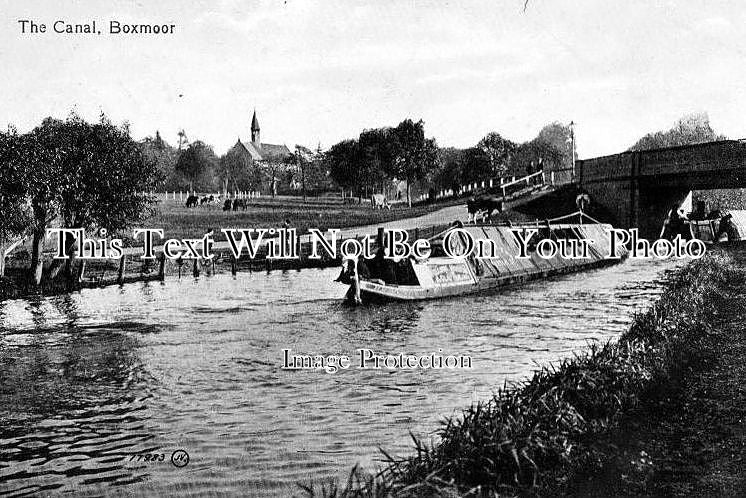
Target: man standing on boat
{"points": [[727, 227], [675, 224]]}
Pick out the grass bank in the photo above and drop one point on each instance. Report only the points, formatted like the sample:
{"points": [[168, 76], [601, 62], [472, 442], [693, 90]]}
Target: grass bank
{"points": [[533, 437]]}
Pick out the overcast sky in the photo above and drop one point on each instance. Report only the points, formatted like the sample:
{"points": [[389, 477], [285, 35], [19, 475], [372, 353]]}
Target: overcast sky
{"points": [[321, 71]]}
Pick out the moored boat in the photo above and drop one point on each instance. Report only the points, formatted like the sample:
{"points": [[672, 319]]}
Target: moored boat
{"points": [[723, 227], [441, 275]]}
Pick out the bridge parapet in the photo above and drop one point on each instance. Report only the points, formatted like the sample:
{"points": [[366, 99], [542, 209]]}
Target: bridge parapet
{"points": [[682, 160], [640, 186]]}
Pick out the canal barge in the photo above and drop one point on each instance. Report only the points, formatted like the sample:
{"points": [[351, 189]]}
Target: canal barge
{"points": [[729, 227], [441, 276]]}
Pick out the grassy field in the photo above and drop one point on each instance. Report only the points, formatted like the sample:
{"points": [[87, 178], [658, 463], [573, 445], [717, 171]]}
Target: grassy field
{"points": [[179, 221]]}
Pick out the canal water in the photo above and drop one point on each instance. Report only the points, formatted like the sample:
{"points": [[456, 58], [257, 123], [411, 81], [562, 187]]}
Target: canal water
{"points": [[90, 380]]}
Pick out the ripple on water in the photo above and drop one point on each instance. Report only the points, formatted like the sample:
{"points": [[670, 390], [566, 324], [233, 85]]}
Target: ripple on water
{"points": [[89, 379]]}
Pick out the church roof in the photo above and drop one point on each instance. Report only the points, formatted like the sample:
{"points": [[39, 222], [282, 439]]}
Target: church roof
{"points": [[250, 149], [254, 122], [267, 152], [276, 152]]}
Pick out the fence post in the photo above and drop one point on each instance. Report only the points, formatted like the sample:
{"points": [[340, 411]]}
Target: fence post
{"points": [[81, 271], [122, 265], [234, 265], [162, 266], [195, 268]]}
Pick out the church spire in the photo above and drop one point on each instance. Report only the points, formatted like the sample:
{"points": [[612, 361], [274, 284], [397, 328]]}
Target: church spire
{"points": [[255, 131]]}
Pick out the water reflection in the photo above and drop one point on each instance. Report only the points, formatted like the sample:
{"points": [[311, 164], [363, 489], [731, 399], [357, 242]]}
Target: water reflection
{"points": [[72, 402], [88, 379]]}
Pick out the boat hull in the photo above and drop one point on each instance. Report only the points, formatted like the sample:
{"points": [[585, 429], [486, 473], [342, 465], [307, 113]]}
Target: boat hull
{"points": [[442, 277], [371, 292]]}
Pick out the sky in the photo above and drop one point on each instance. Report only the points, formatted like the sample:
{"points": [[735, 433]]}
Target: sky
{"points": [[322, 71]]}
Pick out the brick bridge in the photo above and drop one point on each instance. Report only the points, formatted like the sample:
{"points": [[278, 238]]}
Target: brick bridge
{"points": [[638, 188]]}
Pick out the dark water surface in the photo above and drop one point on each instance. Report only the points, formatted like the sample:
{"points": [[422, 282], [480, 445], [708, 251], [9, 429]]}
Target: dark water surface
{"points": [[89, 379]]}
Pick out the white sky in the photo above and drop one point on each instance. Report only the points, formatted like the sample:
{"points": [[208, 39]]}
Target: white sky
{"points": [[324, 70]]}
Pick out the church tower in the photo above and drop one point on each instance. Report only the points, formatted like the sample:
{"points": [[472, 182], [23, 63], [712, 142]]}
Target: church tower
{"points": [[255, 132]]}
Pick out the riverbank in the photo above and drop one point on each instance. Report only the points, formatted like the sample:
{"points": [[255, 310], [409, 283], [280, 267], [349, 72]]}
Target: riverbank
{"points": [[422, 221], [559, 431], [691, 439]]}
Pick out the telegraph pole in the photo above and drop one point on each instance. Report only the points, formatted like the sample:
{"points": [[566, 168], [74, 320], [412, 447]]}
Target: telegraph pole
{"points": [[572, 146]]}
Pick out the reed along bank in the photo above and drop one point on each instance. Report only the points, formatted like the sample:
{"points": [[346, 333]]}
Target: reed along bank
{"points": [[614, 419]]}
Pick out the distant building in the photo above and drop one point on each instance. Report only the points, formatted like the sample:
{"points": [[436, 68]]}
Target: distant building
{"points": [[271, 159], [260, 152]]}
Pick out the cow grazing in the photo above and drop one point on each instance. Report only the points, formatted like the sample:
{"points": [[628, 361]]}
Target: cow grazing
{"points": [[379, 201], [192, 201], [227, 205], [239, 203], [482, 206]]}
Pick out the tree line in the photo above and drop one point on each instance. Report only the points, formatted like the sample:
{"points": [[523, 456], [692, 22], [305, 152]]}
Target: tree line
{"points": [[689, 129], [382, 155], [196, 167]]}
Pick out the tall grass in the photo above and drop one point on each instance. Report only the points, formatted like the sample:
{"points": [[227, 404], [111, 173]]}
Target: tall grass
{"points": [[546, 425]]}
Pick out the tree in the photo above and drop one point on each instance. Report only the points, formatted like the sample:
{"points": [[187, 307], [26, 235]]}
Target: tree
{"points": [[165, 156], [274, 169], [499, 152], [689, 129], [236, 168], [14, 206], [415, 155], [45, 152], [303, 159], [474, 164], [559, 136], [88, 175], [312, 168], [342, 158], [378, 151], [537, 154], [448, 173], [196, 162]]}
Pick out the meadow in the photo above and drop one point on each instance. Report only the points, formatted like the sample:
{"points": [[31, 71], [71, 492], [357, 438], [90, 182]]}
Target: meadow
{"points": [[178, 221]]}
